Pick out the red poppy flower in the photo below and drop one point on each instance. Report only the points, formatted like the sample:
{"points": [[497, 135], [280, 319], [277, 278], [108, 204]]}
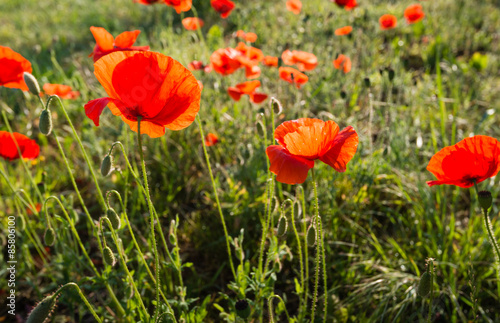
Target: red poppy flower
{"points": [[346, 4], [12, 67], [343, 31], [146, 2], [192, 23], [211, 139], [38, 207], [387, 22], [294, 6], [199, 66], [223, 7], [106, 44], [249, 58], [291, 75], [249, 89], [149, 85], [303, 141], [225, 60], [343, 62], [270, 61], [414, 13], [8, 150], [249, 37], [180, 5], [472, 159], [305, 61], [63, 91]]}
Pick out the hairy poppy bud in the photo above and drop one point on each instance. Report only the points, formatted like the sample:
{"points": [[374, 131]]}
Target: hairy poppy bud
{"points": [[485, 199], [32, 83], [276, 106], [107, 165], [49, 237], [45, 123], [260, 129], [109, 257], [114, 218], [282, 226], [43, 310], [171, 233], [242, 309], [311, 236], [424, 287]]}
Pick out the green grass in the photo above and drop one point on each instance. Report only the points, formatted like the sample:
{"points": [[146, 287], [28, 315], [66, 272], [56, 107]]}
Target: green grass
{"points": [[381, 221]]}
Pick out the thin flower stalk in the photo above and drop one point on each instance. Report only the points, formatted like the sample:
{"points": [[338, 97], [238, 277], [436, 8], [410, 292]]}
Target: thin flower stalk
{"points": [[84, 299], [301, 261]]}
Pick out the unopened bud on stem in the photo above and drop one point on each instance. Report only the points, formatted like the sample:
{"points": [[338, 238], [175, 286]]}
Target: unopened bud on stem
{"points": [[32, 83]]}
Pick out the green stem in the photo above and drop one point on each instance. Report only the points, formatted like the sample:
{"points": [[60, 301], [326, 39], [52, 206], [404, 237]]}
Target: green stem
{"points": [[271, 310], [299, 247], [323, 261], [317, 221], [150, 207], [306, 251], [84, 299], [265, 228], [431, 272], [214, 186]]}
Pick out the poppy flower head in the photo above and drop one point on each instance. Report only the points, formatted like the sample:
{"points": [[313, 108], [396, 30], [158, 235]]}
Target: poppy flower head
{"points": [[8, 150], [106, 43], [225, 60], [472, 159], [346, 4], [63, 91], [343, 62], [293, 76], [12, 67], [249, 37], [270, 61], [149, 85], [414, 13], [305, 61], [180, 5], [224, 7], [192, 23], [211, 139], [343, 31], [303, 141], [387, 22], [294, 6], [247, 88]]}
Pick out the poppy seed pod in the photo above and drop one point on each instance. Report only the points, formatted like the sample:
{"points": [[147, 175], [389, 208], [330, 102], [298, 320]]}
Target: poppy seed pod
{"points": [[49, 237], [311, 236], [114, 218], [485, 199], [106, 165], [242, 308], [45, 123], [276, 106], [43, 310], [32, 83], [282, 226], [424, 287], [109, 257]]}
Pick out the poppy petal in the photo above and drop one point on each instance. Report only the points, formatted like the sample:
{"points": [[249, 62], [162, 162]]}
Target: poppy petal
{"points": [[258, 97], [343, 149], [12, 67], [8, 150], [153, 130], [103, 38], [94, 108], [289, 169], [291, 126], [248, 87], [311, 141], [234, 93], [127, 38]]}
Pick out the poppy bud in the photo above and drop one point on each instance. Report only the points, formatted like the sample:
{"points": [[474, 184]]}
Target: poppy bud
{"points": [[43, 310], [107, 165], [424, 287], [276, 106], [311, 236], [113, 218], [242, 309], [367, 82], [32, 83], [49, 237], [260, 129], [45, 123], [391, 74], [109, 257], [282, 226], [171, 233], [485, 199]]}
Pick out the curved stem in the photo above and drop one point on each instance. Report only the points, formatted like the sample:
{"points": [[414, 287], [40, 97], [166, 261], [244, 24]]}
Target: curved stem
{"points": [[84, 299], [271, 311], [150, 207]]}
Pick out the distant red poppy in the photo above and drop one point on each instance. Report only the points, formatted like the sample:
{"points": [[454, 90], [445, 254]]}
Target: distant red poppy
{"points": [[250, 58], [12, 67], [146, 2], [8, 150], [346, 4], [248, 88], [149, 85], [106, 44], [180, 5], [211, 139], [63, 91], [303, 141], [192, 23], [199, 66], [387, 22], [293, 76], [343, 31], [472, 159], [343, 62], [225, 60], [38, 207], [249, 37], [305, 61], [270, 61], [223, 7], [294, 6], [414, 13]]}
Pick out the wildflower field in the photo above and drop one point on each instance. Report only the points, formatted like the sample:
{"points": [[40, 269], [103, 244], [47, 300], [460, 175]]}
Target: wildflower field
{"points": [[249, 161]]}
